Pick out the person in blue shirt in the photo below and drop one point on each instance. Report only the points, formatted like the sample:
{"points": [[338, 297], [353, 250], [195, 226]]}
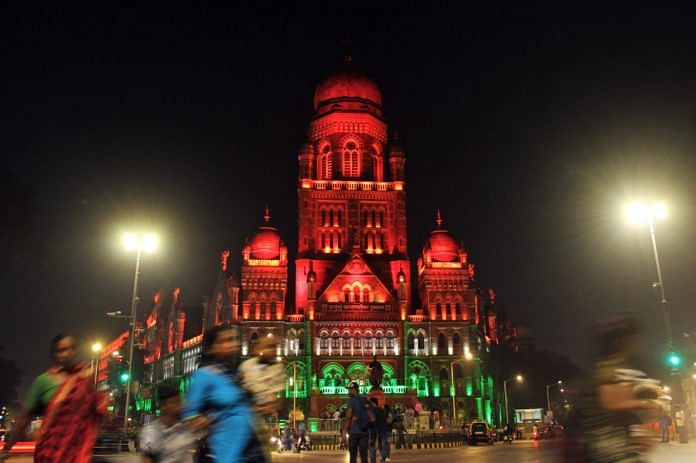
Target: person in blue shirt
{"points": [[357, 424], [214, 398]]}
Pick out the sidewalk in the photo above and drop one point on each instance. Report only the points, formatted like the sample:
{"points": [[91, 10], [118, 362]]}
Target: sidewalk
{"points": [[674, 452]]}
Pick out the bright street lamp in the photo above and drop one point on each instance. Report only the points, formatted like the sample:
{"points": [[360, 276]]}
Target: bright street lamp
{"points": [[139, 243], [519, 379], [548, 397]]}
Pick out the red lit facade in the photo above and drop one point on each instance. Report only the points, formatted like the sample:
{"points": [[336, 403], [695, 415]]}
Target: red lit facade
{"points": [[353, 283]]}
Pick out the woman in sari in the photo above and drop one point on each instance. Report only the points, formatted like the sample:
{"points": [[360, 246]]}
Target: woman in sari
{"points": [[65, 396]]}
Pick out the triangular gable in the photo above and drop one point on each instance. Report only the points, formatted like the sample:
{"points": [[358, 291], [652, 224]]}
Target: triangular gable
{"points": [[356, 269]]}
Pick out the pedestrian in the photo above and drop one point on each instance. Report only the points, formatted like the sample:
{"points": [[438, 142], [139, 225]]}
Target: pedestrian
{"points": [[261, 375], [357, 424], [337, 419], [377, 431], [665, 423], [388, 429], [215, 398], [408, 417], [65, 396], [167, 439], [680, 423], [599, 429], [400, 431]]}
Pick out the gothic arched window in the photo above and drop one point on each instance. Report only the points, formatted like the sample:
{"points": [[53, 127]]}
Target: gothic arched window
{"points": [[273, 309], [351, 160], [346, 295], [324, 169], [441, 343], [456, 343], [411, 341]]}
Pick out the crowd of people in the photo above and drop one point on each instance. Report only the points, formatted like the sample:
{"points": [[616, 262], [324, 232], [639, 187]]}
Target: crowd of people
{"points": [[221, 416]]}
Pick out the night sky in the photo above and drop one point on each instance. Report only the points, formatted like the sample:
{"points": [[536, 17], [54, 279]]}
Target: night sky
{"points": [[528, 126]]}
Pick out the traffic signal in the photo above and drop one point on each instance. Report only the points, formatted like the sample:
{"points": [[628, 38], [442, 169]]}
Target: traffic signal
{"points": [[674, 359], [124, 377]]}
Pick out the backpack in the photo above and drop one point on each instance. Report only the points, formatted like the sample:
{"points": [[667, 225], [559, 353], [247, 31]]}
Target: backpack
{"points": [[369, 418]]}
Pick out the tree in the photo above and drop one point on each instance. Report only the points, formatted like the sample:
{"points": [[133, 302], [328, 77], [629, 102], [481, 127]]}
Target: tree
{"points": [[10, 377]]}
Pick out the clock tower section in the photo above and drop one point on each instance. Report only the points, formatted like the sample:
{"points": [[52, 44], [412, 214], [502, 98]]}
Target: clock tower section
{"points": [[352, 259]]}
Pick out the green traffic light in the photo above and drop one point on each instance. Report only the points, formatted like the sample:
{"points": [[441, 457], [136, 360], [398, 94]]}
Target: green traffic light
{"points": [[674, 359], [124, 377]]}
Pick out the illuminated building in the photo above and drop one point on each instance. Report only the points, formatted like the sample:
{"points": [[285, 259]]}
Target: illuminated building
{"points": [[353, 283]]}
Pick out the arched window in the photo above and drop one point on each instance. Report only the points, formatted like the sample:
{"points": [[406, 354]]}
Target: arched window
{"points": [[456, 343], [444, 376], [458, 371], [263, 310], [368, 340], [346, 295], [346, 341], [448, 308], [421, 341], [366, 295], [458, 309], [357, 340], [356, 294], [410, 341], [335, 340], [351, 160], [324, 170], [252, 308], [441, 344], [379, 341], [438, 307], [273, 309], [381, 218], [254, 338], [324, 340], [390, 340]]}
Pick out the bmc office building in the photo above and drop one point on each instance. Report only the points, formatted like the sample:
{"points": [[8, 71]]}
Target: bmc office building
{"points": [[353, 284]]}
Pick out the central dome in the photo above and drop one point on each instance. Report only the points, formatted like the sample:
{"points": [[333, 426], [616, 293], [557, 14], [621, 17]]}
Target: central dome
{"points": [[347, 83]]}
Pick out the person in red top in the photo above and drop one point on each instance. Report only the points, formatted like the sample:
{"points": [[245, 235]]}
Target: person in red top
{"points": [[65, 396]]}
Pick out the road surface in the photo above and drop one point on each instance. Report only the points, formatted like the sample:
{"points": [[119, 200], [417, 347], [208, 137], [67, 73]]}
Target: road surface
{"points": [[519, 452]]}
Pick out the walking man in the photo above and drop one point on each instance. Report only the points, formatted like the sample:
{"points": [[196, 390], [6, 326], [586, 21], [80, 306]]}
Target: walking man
{"points": [[357, 424], [665, 423]]}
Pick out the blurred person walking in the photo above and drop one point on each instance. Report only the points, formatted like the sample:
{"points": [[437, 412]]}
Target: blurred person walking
{"points": [[604, 426], [167, 439], [216, 400], [377, 431], [357, 424], [65, 396], [665, 423], [400, 430]]}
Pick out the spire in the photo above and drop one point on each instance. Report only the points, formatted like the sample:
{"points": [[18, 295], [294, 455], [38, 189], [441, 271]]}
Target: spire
{"points": [[438, 220], [267, 215]]}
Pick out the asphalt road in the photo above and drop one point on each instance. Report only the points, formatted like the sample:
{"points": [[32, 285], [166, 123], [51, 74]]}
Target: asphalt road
{"points": [[518, 452]]}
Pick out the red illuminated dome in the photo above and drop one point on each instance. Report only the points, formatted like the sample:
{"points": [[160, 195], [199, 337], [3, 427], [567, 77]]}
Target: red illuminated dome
{"points": [[443, 247], [347, 83], [266, 243]]}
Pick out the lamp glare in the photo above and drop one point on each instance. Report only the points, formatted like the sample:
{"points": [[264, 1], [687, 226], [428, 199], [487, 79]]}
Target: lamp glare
{"points": [[637, 213], [130, 242], [660, 211]]}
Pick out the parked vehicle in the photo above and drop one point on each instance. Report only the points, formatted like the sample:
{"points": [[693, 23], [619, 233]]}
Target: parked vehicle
{"points": [[480, 432]]}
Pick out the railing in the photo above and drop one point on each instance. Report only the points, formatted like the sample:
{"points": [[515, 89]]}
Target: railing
{"points": [[354, 306], [350, 185], [342, 390]]}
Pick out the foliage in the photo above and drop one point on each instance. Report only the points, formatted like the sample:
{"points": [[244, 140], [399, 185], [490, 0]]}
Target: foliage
{"points": [[10, 377]]}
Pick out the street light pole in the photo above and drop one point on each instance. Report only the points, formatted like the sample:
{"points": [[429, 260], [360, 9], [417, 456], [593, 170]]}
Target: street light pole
{"points": [[663, 299], [548, 397], [519, 379], [131, 339]]}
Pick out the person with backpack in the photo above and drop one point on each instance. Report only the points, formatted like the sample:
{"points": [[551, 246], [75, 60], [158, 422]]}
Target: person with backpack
{"points": [[377, 431], [360, 418]]}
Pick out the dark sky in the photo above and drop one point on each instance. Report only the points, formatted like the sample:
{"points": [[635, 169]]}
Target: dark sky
{"points": [[527, 125]]}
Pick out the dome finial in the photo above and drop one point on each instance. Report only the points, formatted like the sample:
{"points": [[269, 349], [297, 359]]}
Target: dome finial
{"points": [[438, 220], [267, 215]]}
